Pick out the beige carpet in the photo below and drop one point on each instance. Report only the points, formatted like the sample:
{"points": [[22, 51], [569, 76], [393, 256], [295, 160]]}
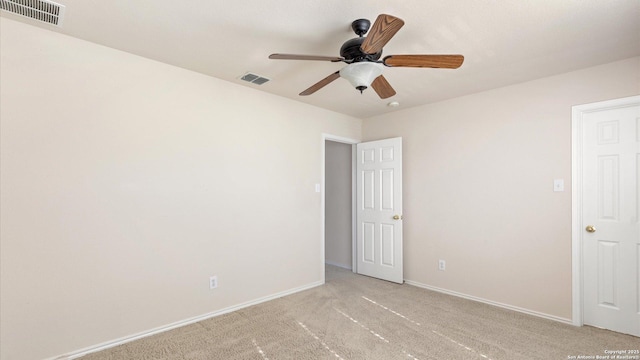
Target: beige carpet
{"points": [[356, 317]]}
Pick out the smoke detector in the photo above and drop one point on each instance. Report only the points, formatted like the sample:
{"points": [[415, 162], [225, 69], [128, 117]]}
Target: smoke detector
{"points": [[41, 10]]}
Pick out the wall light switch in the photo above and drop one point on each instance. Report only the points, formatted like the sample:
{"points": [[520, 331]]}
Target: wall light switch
{"points": [[558, 185], [317, 187]]}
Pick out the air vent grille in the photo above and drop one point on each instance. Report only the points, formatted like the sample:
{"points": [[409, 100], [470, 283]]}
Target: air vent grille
{"points": [[41, 10], [254, 79]]}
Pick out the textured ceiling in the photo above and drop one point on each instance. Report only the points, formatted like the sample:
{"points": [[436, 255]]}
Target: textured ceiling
{"points": [[504, 42]]}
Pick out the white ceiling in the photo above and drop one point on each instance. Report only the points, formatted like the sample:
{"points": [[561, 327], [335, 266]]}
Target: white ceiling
{"points": [[504, 42]]}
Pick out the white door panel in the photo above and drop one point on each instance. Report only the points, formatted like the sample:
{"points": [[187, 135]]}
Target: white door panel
{"points": [[611, 254], [378, 200]]}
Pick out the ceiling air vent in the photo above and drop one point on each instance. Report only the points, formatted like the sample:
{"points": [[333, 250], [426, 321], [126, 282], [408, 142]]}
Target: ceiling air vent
{"points": [[41, 10], [254, 79]]}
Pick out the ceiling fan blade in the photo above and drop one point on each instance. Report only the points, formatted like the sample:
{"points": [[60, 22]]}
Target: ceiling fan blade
{"points": [[381, 32], [305, 57], [320, 84], [429, 61], [382, 87]]}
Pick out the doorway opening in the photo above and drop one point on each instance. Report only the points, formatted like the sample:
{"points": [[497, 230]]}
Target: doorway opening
{"points": [[376, 217], [339, 182]]}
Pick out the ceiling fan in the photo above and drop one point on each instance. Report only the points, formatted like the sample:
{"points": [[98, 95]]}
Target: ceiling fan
{"points": [[362, 56]]}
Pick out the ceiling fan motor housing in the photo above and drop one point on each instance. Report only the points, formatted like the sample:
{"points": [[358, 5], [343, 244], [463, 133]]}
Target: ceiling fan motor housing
{"points": [[351, 51]]}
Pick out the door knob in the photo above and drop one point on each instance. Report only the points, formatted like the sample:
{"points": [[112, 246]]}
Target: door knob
{"points": [[590, 228], [397, 217]]}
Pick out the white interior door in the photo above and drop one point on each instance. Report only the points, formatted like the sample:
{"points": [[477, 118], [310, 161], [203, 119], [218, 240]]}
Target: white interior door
{"points": [[379, 209], [611, 227]]}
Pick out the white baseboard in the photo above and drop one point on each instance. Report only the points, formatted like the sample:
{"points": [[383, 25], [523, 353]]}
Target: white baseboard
{"points": [[338, 265], [490, 302], [109, 344]]}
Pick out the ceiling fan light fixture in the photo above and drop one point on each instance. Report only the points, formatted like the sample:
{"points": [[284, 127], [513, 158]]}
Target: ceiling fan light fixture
{"points": [[361, 74]]}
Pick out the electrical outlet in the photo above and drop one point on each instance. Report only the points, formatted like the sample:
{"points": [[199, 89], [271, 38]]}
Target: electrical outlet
{"points": [[213, 282], [441, 265]]}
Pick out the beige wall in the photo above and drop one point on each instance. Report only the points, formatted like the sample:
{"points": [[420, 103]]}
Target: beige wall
{"points": [[126, 183], [337, 233], [478, 186]]}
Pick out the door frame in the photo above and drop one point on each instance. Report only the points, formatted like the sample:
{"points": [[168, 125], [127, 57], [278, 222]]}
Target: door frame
{"points": [[352, 142], [577, 233]]}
